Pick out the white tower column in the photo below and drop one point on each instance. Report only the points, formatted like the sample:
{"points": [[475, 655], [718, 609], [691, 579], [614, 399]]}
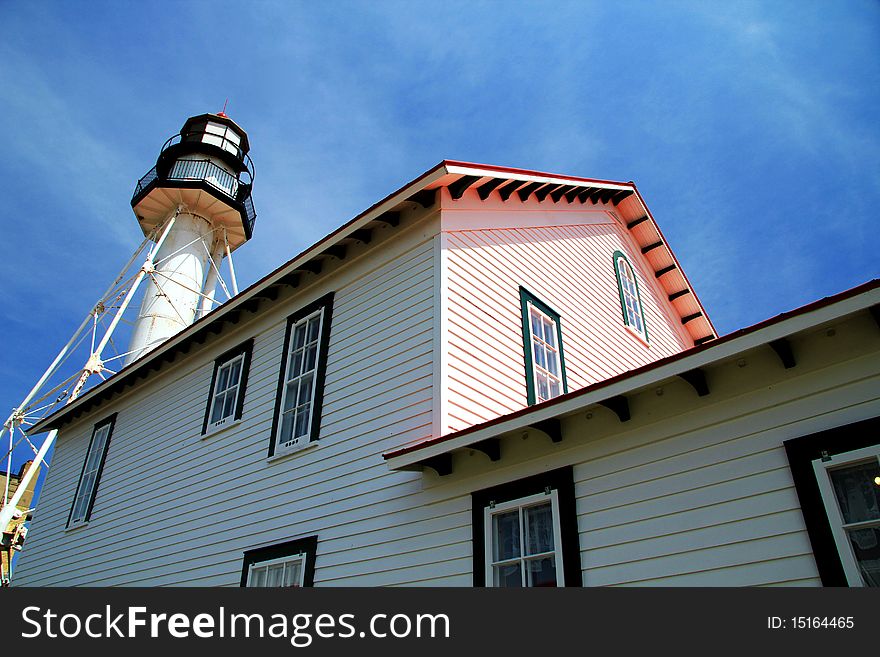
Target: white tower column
{"points": [[174, 292]]}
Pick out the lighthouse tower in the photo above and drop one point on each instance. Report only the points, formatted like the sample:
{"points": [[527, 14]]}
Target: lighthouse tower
{"points": [[196, 203]]}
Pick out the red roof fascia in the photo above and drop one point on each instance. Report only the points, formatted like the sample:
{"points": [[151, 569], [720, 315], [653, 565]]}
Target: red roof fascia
{"points": [[529, 172], [675, 259]]}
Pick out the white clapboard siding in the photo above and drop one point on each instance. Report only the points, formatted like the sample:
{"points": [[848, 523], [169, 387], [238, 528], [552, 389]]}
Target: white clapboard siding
{"points": [[690, 492], [167, 495], [712, 502], [570, 268]]}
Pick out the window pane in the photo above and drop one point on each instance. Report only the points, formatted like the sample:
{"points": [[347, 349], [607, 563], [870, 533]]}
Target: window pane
{"points": [[258, 577], [299, 336], [305, 389], [94, 457], [286, 426], [543, 387], [295, 365], [555, 390], [222, 378], [79, 507], [290, 394], [540, 356], [542, 572], [552, 364], [509, 575], [292, 573], [302, 421], [866, 547], [549, 333], [536, 323], [857, 494], [234, 372], [539, 528], [505, 533], [229, 404], [96, 450], [84, 495], [274, 575], [311, 357], [217, 410], [314, 326]]}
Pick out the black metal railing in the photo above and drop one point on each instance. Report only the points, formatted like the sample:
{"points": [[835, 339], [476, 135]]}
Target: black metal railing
{"points": [[205, 170], [251, 214], [149, 177], [198, 137]]}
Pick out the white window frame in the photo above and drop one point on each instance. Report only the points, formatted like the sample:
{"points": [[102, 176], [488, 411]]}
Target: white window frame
{"points": [[629, 291], [557, 351], [299, 558], [299, 442], [822, 468], [213, 426], [90, 475], [521, 504]]}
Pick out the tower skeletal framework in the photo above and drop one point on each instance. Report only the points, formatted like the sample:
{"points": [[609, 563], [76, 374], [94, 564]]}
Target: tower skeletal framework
{"points": [[194, 208]]}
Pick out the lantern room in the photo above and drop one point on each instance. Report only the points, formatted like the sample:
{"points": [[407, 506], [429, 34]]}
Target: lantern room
{"points": [[205, 168]]}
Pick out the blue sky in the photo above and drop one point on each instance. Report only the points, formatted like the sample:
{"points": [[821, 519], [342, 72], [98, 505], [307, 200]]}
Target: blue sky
{"points": [[750, 128]]}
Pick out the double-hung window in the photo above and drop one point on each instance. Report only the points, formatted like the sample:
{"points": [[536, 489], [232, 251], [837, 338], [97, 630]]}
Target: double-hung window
{"points": [[630, 298], [284, 565], [850, 488], [90, 477], [525, 532], [301, 382], [836, 473], [284, 571], [226, 400], [523, 542], [542, 342]]}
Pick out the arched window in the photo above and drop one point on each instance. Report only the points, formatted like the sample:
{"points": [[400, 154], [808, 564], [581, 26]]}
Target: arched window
{"points": [[630, 300]]}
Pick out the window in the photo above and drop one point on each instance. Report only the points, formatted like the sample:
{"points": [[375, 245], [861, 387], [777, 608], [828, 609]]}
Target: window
{"points": [[301, 383], [630, 299], [850, 488], [525, 533], [522, 542], [542, 343], [837, 477], [287, 564], [226, 400], [90, 476]]}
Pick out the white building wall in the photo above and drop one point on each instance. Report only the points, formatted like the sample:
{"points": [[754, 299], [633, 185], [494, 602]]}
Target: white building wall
{"points": [[695, 491], [692, 491], [176, 508]]}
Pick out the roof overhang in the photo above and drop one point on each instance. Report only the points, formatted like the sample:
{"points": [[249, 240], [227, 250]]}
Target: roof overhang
{"points": [[516, 185], [612, 393]]}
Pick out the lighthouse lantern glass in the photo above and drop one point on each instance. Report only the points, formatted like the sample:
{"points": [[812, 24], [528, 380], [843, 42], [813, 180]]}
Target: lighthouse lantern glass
{"points": [[222, 136]]}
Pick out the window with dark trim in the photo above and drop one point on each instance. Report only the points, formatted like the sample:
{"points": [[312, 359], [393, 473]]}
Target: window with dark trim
{"points": [[525, 532], [630, 297], [298, 402], [90, 476], [837, 477], [542, 349], [228, 386], [286, 564]]}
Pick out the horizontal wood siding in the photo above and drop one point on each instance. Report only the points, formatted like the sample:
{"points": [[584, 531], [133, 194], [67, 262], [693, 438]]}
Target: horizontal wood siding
{"points": [[707, 498], [174, 508], [570, 268]]}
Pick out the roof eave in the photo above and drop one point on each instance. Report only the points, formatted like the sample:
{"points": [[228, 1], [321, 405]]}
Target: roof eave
{"points": [[860, 298]]}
